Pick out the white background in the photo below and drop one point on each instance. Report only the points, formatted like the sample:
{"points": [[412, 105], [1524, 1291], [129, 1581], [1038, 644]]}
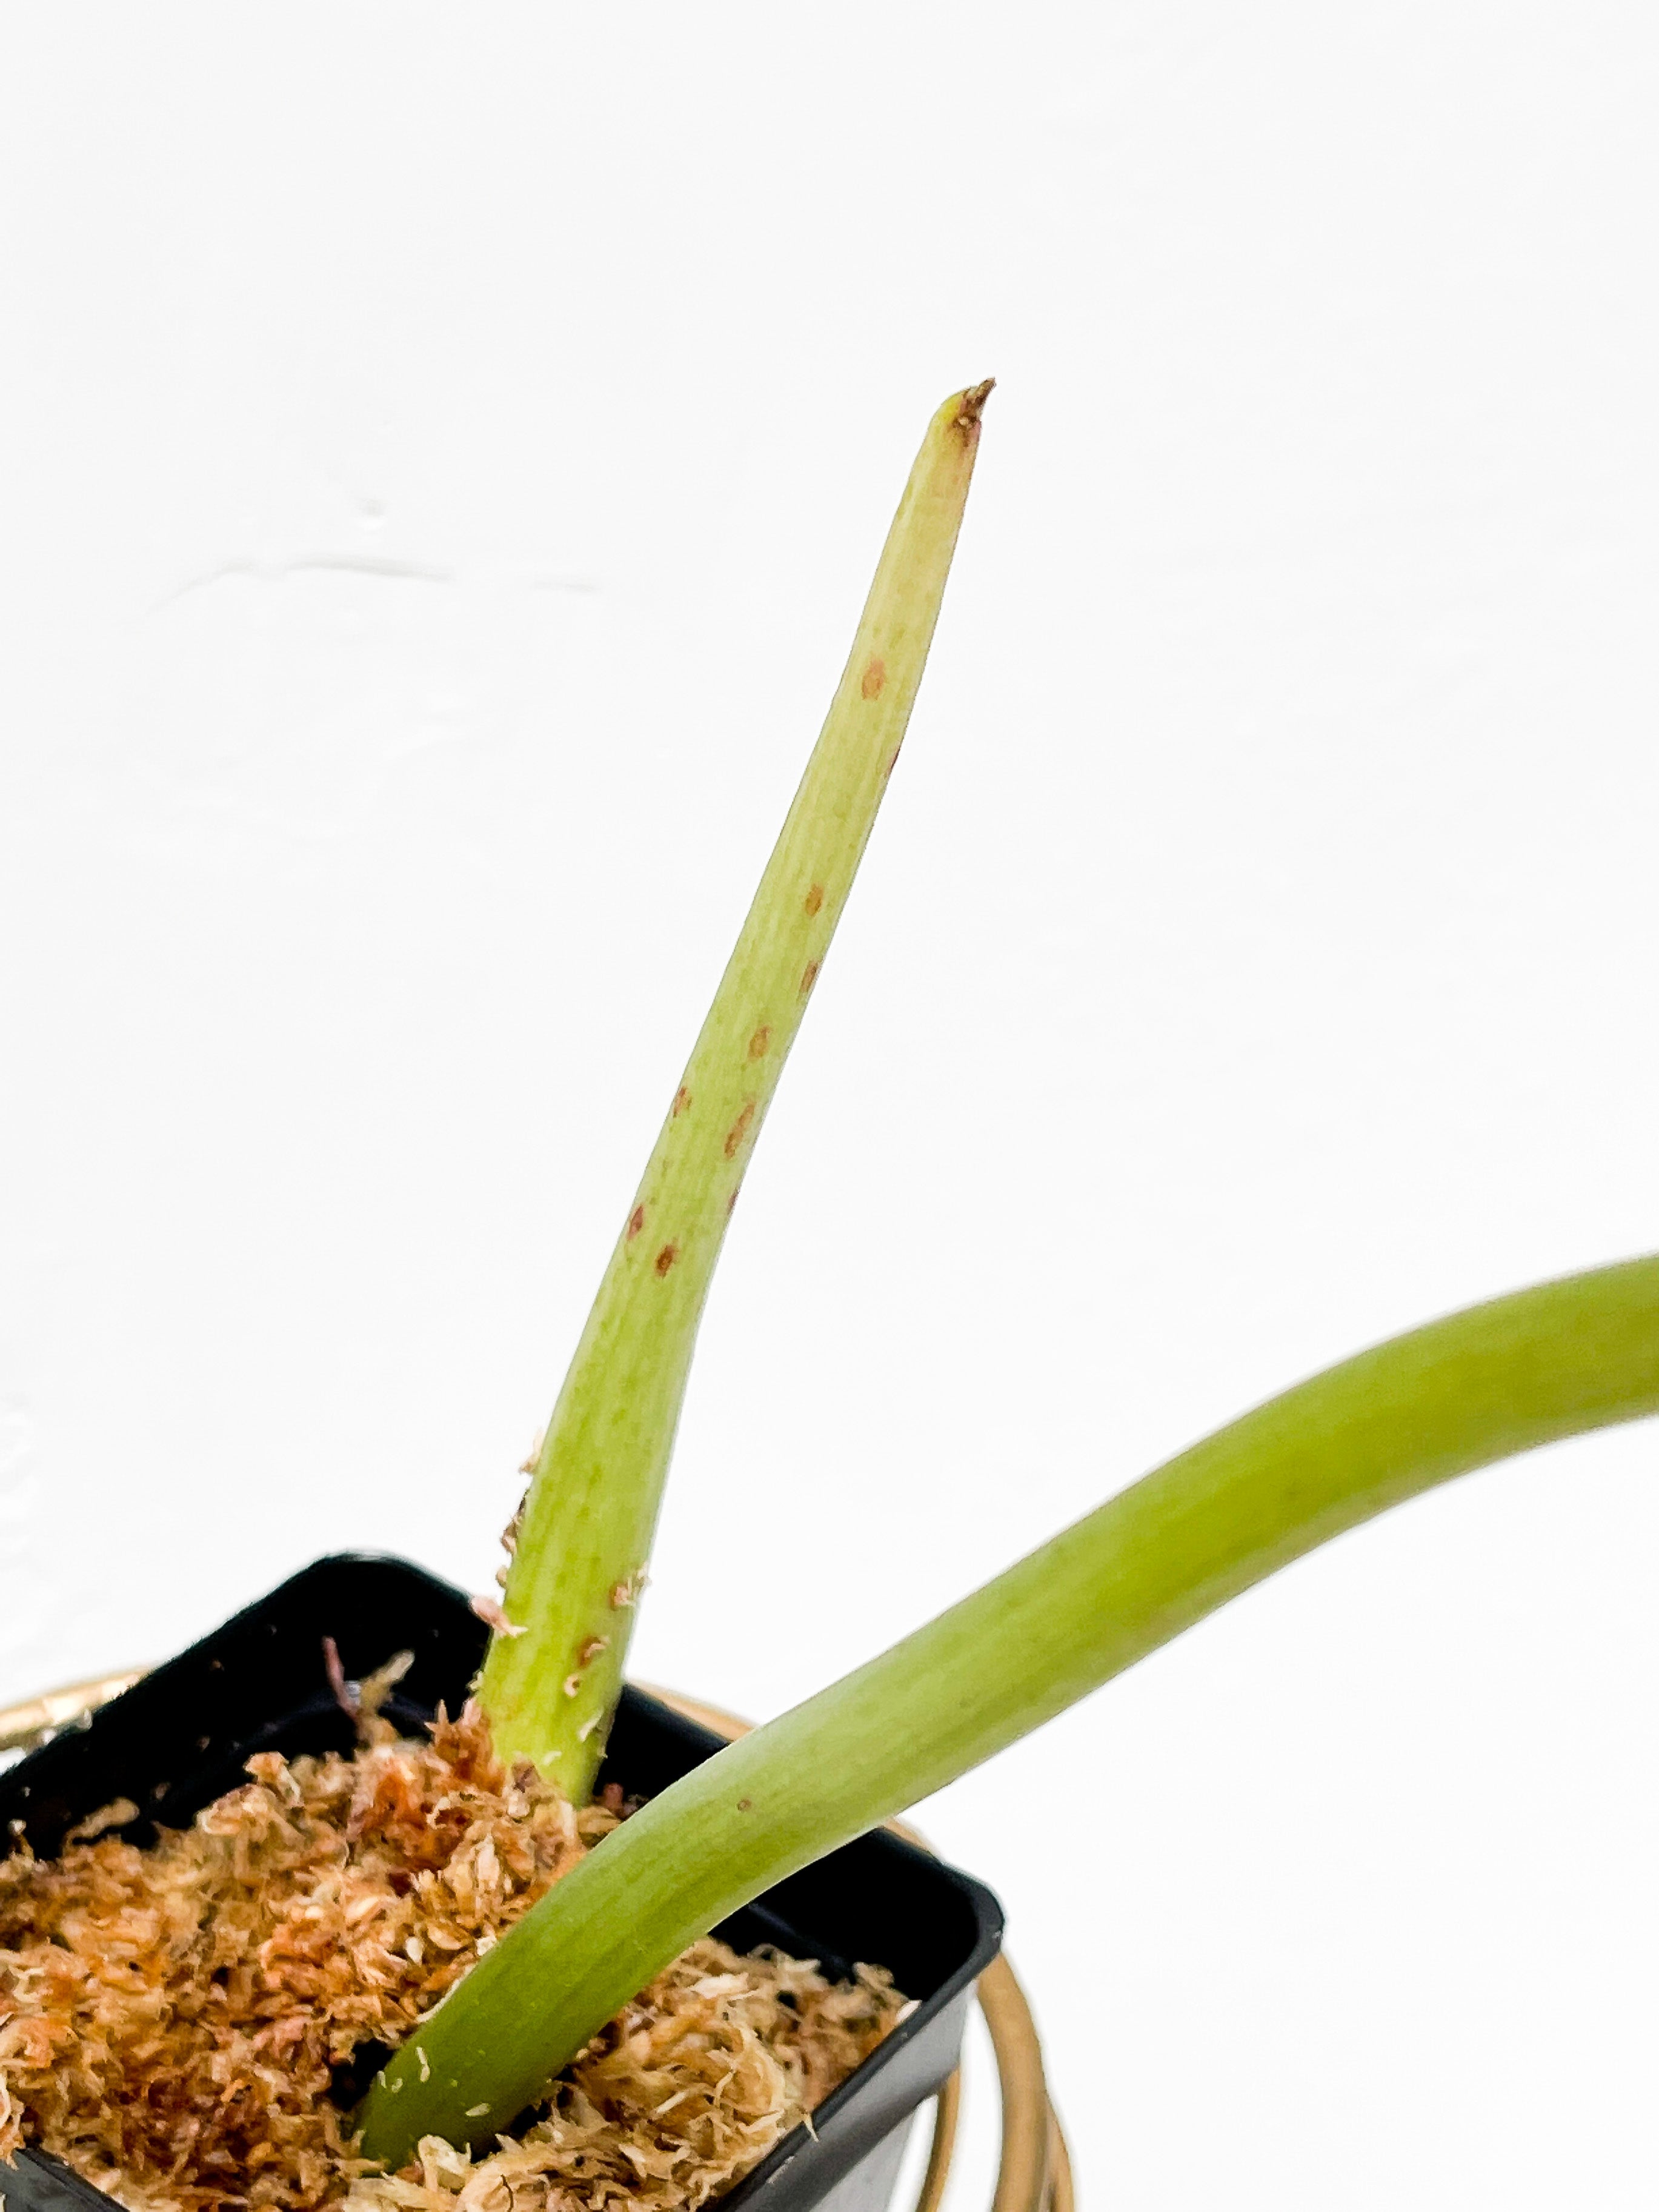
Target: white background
{"points": [[445, 450]]}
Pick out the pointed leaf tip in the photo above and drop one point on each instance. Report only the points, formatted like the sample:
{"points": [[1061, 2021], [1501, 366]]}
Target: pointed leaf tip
{"points": [[971, 405]]}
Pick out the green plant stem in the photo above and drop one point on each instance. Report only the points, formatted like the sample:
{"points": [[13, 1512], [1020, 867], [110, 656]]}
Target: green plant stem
{"points": [[1494, 1380], [551, 1680]]}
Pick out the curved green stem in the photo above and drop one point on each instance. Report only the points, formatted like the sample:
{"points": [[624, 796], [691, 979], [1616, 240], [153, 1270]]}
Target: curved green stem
{"points": [[551, 1677], [1494, 1380]]}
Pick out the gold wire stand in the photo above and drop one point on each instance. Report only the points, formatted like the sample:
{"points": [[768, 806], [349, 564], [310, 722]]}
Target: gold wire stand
{"points": [[1034, 2173]]}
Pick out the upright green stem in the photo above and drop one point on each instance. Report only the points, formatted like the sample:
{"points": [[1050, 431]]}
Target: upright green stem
{"points": [[551, 1677], [1496, 1379]]}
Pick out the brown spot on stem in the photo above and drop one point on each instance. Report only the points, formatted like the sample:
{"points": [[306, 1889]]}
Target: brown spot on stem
{"points": [[875, 678], [681, 1100], [745, 1804], [492, 1617], [666, 1258], [591, 1650], [814, 899], [731, 1201], [739, 1130], [758, 1042], [635, 1223], [892, 762]]}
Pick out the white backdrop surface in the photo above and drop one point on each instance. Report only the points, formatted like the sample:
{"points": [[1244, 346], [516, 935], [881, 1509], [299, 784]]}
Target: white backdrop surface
{"points": [[445, 451]]}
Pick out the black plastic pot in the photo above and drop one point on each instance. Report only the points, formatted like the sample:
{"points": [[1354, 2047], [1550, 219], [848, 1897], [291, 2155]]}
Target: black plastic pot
{"points": [[181, 1737]]}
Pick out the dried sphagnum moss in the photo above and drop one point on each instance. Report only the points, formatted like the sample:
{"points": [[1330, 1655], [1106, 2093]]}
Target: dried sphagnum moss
{"points": [[169, 2018]]}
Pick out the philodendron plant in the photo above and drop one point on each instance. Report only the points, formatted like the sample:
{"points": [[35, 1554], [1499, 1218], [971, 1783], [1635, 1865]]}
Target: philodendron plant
{"points": [[1497, 1379]]}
